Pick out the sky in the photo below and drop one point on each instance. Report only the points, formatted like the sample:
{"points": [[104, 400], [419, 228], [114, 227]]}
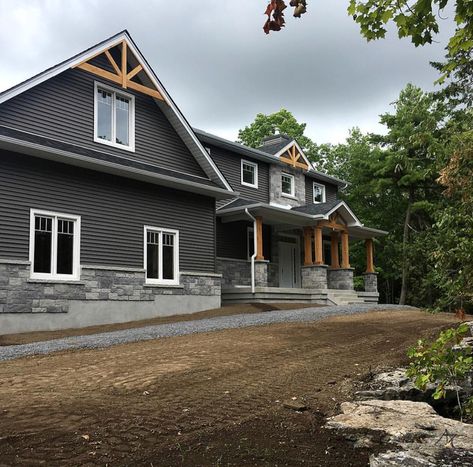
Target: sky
{"points": [[221, 69]]}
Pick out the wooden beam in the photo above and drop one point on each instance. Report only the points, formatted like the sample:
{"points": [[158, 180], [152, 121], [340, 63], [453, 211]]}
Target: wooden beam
{"points": [[335, 262], [113, 63], [100, 72], [345, 251], [332, 225], [259, 238], [145, 90], [124, 64], [295, 164], [369, 255], [319, 259], [307, 246], [134, 72]]}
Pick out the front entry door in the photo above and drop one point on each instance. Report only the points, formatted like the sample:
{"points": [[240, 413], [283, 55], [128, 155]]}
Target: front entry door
{"points": [[289, 265]]}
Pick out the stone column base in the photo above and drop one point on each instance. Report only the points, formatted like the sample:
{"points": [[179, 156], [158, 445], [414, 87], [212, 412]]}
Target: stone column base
{"points": [[341, 279], [314, 276], [261, 273], [371, 281]]}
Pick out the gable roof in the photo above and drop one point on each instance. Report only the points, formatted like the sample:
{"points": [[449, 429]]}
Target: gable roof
{"points": [[166, 104]]}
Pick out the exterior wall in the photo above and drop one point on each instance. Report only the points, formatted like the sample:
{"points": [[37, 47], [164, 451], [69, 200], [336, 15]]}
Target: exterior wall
{"points": [[275, 193], [103, 295], [229, 164], [331, 191], [113, 212], [63, 108], [234, 271]]}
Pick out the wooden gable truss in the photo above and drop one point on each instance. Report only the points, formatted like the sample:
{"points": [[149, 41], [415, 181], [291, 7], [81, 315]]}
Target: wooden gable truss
{"points": [[294, 158], [123, 75]]}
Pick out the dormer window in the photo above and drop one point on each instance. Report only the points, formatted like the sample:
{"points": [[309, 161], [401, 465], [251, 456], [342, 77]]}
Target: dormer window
{"points": [[319, 193], [249, 173], [114, 118]]}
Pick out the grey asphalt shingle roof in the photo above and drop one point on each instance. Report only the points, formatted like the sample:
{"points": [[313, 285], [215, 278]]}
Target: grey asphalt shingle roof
{"points": [[274, 148], [101, 156], [316, 209], [239, 203]]}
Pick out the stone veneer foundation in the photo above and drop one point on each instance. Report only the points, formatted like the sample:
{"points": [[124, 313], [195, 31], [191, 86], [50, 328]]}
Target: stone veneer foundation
{"points": [[341, 279], [101, 289]]}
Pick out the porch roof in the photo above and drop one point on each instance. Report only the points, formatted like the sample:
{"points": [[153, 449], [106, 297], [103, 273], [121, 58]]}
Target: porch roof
{"points": [[300, 216]]}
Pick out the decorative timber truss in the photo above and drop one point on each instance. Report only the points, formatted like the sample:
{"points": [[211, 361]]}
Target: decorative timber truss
{"points": [[294, 157], [129, 68]]}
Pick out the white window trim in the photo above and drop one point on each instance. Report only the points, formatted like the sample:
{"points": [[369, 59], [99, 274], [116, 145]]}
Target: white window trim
{"points": [[131, 130], [253, 164], [161, 230], [293, 187], [315, 184], [76, 249]]}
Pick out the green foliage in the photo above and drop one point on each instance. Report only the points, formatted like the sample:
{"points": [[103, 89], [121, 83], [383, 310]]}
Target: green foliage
{"points": [[279, 122], [440, 362], [418, 20]]}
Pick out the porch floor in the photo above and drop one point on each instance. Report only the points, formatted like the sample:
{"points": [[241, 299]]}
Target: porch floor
{"points": [[243, 294]]}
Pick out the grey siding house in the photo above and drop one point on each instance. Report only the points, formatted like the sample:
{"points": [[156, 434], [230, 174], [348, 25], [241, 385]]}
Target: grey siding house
{"points": [[114, 209], [107, 197]]}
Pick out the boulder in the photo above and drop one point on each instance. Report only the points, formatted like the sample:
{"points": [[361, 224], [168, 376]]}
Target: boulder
{"points": [[401, 422]]}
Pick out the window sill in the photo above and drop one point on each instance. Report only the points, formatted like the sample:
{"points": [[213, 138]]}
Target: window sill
{"points": [[165, 286], [249, 185], [284, 195], [113, 145], [55, 281]]}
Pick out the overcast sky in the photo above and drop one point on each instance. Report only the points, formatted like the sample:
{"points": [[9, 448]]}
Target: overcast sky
{"points": [[219, 66]]}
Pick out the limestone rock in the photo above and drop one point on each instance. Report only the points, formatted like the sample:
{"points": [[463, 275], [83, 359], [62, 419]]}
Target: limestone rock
{"points": [[403, 422]]}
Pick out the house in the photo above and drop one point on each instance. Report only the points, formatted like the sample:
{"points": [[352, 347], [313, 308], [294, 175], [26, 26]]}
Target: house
{"points": [[114, 209], [301, 250]]}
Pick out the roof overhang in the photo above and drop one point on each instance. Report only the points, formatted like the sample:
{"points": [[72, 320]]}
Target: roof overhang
{"points": [[79, 160], [274, 215], [166, 104]]}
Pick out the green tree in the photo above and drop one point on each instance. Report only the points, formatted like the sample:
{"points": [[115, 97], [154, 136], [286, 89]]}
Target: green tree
{"points": [[419, 20], [410, 163], [278, 122]]}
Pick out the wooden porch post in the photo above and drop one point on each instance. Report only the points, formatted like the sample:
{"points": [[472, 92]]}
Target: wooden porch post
{"points": [[345, 251], [307, 246], [334, 250], [319, 259], [259, 238], [369, 255]]}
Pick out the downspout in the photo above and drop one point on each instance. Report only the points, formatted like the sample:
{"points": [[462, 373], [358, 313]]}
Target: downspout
{"points": [[253, 256]]}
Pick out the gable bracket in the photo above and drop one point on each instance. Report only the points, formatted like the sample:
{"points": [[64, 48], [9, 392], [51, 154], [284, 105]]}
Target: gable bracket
{"points": [[292, 157], [120, 77]]}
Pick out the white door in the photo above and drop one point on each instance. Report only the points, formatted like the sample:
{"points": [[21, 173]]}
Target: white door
{"points": [[289, 265]]}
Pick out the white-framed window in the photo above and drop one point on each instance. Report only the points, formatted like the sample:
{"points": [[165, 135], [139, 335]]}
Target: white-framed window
{"points": [[161, 255], [114, 117], [249, 173], [287, 185], [318, 193], [54, 245]]}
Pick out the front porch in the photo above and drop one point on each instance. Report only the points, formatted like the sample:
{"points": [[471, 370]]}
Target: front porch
{"points": [[293, 256]]}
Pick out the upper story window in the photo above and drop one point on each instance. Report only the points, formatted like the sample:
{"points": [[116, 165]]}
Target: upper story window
{"points": [[249, 173], [161, 256], [287, 184], [319, 193], [114, 117], [54, 245]]}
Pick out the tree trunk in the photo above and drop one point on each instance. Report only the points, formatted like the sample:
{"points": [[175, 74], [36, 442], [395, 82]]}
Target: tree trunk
{"points": [[405, 241]]}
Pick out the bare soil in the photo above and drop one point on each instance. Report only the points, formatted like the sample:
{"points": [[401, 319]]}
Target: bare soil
{"points": [[28, 337], [205, 399]]}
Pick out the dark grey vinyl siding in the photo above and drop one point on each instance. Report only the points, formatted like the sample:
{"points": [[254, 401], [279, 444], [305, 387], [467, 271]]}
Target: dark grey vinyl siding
{"points": [[229, 164], [113, 212], [63, 108], [232, 239], [330, 190]]}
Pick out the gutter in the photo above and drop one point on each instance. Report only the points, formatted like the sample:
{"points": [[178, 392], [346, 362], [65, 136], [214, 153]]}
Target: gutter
{"points": [[253, 256]]}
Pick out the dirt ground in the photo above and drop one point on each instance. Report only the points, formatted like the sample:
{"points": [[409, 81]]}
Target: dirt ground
{"points": [[27, 337], [211, 399]]}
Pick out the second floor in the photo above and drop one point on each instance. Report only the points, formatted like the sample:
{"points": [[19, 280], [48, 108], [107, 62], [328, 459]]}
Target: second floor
{"points": [[277, 173]]}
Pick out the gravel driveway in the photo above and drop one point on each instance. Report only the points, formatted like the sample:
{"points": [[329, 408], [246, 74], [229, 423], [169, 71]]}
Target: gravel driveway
{"points": [[186, 327]]}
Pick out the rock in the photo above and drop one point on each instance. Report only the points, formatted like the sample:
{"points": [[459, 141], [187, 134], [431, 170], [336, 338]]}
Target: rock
{"points": [[396, 378], [295, 404], [403, 422]]}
